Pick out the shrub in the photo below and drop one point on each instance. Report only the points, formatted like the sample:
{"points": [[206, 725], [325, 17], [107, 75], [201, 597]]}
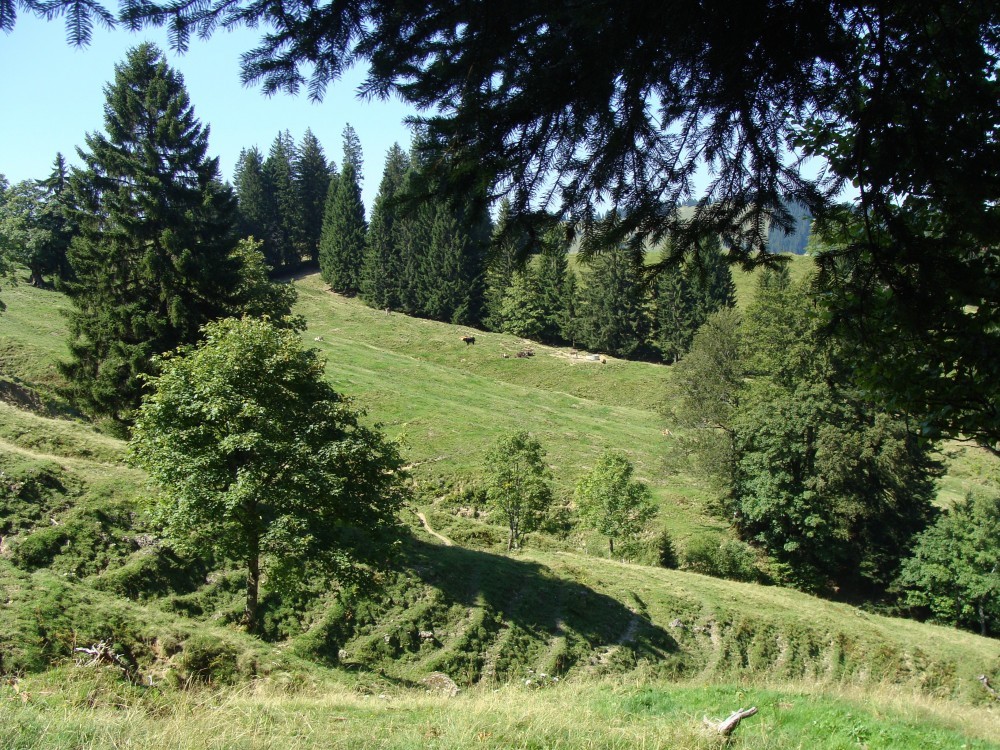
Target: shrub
{"points": [[713, 555]]}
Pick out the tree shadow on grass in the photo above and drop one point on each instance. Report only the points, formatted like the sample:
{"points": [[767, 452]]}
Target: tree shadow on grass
{"points": [[515, 614]]}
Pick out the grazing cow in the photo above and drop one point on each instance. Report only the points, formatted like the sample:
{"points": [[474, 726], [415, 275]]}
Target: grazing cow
{"points": [[469, 340]]}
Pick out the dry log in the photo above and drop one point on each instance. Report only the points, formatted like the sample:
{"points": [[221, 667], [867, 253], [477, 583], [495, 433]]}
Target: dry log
{"points": [[728, 726]]}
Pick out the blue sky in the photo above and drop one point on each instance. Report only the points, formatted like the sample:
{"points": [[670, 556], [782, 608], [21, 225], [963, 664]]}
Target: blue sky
{"points": [[51, 94]]}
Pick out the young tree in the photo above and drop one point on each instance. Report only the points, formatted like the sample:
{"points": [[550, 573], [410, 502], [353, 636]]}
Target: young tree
{"points": [[955, 568], [518, 484], [520, 313], [257, 458], [507, 253], [611, 502], [152, 260], [254, 294]]}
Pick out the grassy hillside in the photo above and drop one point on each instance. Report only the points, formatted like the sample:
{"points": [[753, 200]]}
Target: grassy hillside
{"points": [[79, 564]]}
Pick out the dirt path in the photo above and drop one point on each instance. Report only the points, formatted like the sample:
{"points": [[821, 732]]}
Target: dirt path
{"points": [[6, 445], [444, 540]]}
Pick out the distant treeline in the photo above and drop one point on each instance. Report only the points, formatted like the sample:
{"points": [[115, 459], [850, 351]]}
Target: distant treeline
{"points": [[429, 254]]}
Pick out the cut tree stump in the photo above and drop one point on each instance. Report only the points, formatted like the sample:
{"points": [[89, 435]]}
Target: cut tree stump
{"points": [[728, 726]]}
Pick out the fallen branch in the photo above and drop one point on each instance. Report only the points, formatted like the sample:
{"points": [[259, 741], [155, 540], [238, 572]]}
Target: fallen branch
{"points": [[728, 726], [989, 688], [103, 653]]}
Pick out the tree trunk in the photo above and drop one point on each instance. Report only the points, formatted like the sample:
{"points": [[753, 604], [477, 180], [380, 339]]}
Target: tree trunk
{"points": [[611, 546]]}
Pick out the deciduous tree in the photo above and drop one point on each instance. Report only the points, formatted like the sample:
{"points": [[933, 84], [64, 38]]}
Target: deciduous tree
{"points": [[611, 502], [258, 459], [954, 572], [518, 484]]}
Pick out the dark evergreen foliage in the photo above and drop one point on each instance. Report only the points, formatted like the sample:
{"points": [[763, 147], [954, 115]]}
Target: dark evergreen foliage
{"points": [[381, 270], [256, 213], [287, 211], [612, 316], [37, 224], [342, 243], [686, 295], [152, 260], [551, 282], [313, 175]]}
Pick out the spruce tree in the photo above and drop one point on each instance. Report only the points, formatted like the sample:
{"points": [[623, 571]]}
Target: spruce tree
{"points": [[686, 295], [381, 267], [342, 244], [508, 249], [256, 210], [550, 284], [352, 152], [151, 259], [313, 174], [288, 230], [59, 210], [450, 276], [36, 224], [613, 315], [519, 310]]}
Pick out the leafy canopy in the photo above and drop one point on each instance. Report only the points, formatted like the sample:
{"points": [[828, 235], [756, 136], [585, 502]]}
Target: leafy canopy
{"points": [[955, 569], [257, 458], [518, 483], [807, 467], [613, 503]]}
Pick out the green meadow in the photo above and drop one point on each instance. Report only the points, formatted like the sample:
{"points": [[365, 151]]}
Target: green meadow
{"points": [[553, 646]]}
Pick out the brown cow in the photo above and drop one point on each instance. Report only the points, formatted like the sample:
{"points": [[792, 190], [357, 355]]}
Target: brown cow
{"points": [[469, 340]]}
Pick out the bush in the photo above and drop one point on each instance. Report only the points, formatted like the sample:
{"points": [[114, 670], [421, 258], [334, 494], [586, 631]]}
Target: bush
{"points": [[39, 549], [210, 660], [713, 555], [152, 573]]}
